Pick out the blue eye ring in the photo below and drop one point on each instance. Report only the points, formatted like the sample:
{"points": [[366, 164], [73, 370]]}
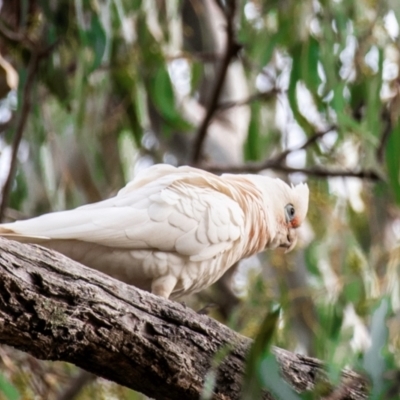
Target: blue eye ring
{"points": [[290, 212]]}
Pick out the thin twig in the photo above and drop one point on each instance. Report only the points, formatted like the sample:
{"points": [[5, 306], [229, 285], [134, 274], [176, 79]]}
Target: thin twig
{"points": [[279, 158], [25, 108], [231, 50], [204, 56], [326, 172], [254, 97], [277, 164], [316, 171], [16, 36], [37, 53]]}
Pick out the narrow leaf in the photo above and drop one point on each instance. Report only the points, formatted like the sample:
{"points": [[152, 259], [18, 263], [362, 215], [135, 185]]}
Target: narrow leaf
{"points": [[252, 385], [374, 362], [8, 389]]}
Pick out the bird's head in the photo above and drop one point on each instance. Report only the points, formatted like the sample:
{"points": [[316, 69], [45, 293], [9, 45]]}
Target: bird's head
{"points": [[285, 207]]}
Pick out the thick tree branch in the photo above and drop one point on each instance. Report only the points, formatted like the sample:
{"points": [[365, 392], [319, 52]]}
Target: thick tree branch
{"points": [[57, 309], [231, 50]]}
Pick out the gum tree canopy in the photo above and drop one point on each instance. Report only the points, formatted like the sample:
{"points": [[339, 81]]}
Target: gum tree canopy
{"points": [[91, 92]]}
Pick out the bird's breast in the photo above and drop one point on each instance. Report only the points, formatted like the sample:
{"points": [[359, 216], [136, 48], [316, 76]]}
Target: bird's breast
{"points": [[141, 267]]}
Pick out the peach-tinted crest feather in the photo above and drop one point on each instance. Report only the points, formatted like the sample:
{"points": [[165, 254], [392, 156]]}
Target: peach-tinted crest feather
{"points": [[301, 195]]}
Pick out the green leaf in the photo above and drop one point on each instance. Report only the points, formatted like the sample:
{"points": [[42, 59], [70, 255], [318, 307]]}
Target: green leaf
{"points": [[373, 361], [268, 48], [393, 161], [125, 87], [150, 49], [8, 389], [354, 290], [252, 385], [252, 145], [163, 96], [19, 191], [163, 93], [340, 105], [132, 5], [96, 39], [196, 75], [272, 380], [295, 77], [331, 319], [310, 65], [359, 224], [311, 255], [93, 37]]}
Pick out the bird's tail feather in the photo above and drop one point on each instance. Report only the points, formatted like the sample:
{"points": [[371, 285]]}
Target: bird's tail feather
{"points": [[10, 234]]}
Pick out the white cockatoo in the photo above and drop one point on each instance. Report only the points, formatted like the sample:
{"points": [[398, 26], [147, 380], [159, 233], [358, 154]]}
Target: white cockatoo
{"points": [[173, 231]]}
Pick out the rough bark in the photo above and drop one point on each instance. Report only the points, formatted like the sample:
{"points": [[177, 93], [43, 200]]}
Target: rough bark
{"points": [[57, 309]]}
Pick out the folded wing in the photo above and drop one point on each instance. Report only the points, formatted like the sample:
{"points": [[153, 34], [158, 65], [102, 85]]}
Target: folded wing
{"points": [[166, 214]]}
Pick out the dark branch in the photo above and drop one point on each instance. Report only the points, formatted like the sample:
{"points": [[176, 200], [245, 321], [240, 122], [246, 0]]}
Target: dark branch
{"points": [[57, 309], [239, 103], [316, 171], [23, 116], [277, 163], [17, 37], [325, 172], [279, 158], [36, 55], [204, 56], [231, 50]]}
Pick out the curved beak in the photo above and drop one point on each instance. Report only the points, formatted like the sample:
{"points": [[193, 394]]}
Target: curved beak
{"points": [[291, 240]]}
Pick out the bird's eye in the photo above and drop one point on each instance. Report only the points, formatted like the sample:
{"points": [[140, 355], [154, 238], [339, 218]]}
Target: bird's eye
{"points": [[289, 212]]}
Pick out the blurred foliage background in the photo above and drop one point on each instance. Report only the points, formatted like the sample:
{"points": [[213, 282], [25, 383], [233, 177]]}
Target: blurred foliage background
{"points": [[92, 91]]}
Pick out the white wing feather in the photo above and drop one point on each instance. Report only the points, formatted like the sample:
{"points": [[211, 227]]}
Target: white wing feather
{"points": [[165, 215]]}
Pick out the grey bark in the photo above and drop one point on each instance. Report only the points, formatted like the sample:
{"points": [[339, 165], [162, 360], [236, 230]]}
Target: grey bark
{"points": [[57, 309]]}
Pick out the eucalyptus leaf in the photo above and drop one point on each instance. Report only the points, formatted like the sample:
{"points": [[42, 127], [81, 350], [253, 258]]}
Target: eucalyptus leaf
{"points": [[252, 146], [373, 360], [9, 391], [252, 385], [393, 161], [272, 379], [96, 39], [162, 94]]}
